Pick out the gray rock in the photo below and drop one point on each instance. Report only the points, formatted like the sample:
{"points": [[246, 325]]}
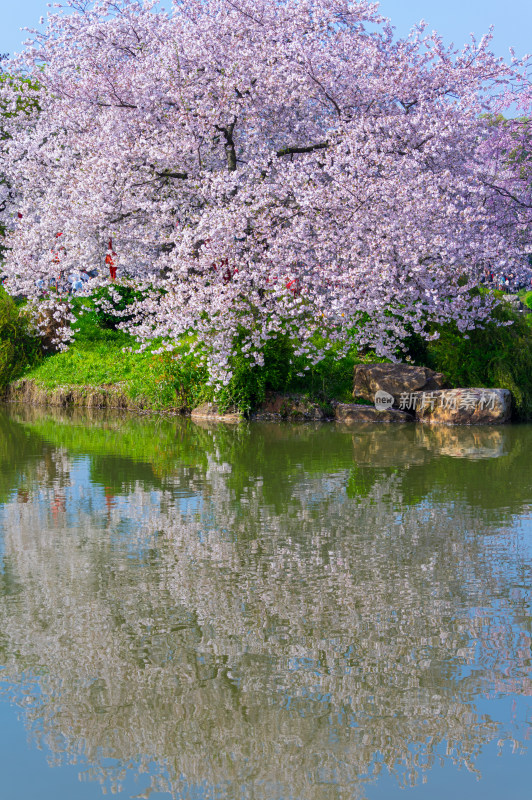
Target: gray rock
{"points": [[395, 379], [289, 407], [351, 413], [459, 406], [211, 412]]}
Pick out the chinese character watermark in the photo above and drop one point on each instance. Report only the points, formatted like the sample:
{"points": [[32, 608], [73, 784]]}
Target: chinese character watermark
{"points": [[460, 400]]}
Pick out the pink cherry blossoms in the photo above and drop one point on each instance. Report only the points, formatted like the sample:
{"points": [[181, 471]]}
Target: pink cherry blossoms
{"points": [[265, 167]]}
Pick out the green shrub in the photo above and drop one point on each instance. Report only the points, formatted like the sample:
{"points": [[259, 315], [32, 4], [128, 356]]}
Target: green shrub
{"points": [[282, 371], [19, 346], [332, 377], [251, 383], [495, 356], [179, 378], [107, 307]]}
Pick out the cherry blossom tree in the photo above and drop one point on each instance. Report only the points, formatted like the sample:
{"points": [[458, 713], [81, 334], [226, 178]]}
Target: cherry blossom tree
{"points": [[264, 168]]}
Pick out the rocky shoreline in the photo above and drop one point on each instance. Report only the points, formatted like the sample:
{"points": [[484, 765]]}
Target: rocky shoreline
{"points": [[385, 393]]}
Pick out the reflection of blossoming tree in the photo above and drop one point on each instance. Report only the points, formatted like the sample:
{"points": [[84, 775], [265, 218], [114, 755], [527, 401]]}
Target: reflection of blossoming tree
{"points": [[295, 647]]}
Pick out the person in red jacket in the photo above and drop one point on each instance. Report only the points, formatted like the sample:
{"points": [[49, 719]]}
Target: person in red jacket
{"points": [[110, 260]]}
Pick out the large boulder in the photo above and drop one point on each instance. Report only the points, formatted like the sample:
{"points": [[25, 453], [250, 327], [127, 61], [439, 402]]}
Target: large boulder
{"points": [[351, 413], [395, 379], [459, 406]]}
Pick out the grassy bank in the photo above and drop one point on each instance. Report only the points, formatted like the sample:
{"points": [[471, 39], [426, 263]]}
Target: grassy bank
{"points": [[108, 359]]}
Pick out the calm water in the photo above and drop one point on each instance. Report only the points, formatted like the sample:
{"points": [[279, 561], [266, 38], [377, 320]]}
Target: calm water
{"points": [[264, 611]]}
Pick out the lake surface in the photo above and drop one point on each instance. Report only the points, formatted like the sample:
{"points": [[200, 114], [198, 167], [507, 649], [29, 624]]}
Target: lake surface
{"points": [[263, 612]]}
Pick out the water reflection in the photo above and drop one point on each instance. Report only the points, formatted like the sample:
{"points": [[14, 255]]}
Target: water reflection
{"points": [[266, 611]]}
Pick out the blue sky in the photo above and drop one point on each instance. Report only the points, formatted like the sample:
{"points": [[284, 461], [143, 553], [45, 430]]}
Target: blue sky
{"points": [[454, 19]]}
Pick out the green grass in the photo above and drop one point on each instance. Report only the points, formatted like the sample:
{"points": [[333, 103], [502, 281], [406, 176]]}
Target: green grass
{"points": [[103, 357], [526, 298], [496, 356]]}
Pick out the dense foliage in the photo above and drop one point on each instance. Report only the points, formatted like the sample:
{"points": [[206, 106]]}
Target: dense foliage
{"points": [[19, 346], [112, 304]]}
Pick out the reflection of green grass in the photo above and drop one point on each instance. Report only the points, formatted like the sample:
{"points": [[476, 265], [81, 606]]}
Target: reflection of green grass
{"points": [[125, 449], [362, 480], [17, 448], [130, 438]]}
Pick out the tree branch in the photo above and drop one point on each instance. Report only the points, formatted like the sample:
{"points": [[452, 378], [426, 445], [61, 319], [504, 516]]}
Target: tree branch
{"points": [[505, 193], [288, 151], [169, 174], [230, 150]]}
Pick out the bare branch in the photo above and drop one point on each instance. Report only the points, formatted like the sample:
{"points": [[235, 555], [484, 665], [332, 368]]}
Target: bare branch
{"points": [[288, 151], [169, 174]]}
